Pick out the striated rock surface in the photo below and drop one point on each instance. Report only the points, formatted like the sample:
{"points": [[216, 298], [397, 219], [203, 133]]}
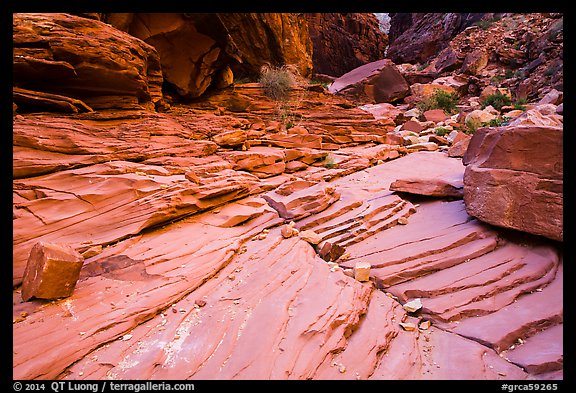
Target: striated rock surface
{"points": [[237, 237], [196, 303], [514, 178], [83, 59], [342, 42]]}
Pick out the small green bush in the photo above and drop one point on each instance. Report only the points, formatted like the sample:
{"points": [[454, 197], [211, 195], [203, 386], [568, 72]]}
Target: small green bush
{"points": [[497, 100], [329, 162], [520, 104], [323, 84], [440, 100], [276, 82], [441, 131], [471, 125], [497, 122]]}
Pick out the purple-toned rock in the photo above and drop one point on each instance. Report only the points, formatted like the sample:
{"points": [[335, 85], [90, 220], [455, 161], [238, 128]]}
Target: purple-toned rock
{"points": [[514, 178], [51, 272], [379, 81]]}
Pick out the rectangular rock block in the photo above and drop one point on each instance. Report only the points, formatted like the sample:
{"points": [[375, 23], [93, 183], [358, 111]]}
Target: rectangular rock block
{"points": [[362, 271], [51, 272]]}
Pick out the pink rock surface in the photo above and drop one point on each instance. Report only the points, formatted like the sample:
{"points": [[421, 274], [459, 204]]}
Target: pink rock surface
{"points": [[191, 277]]}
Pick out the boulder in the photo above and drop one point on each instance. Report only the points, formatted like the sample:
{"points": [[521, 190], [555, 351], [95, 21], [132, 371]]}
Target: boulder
{"points": [[362, 271], [538, 116], [375, 82], [84, 59], [422, 91], [383, 111], [413, 126], [438, 187], [51, 272], [475, 62], [478, 117], [446, 61], [232, 138], [458, 82], [435, 115], [514, 178], [459, 145]]}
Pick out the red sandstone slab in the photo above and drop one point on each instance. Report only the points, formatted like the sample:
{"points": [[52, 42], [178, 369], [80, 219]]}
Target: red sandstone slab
{"points": [[520, 319], [104, 203], [275, 312], [439, 355], [173, 261], [541, 353], [499, 287]]}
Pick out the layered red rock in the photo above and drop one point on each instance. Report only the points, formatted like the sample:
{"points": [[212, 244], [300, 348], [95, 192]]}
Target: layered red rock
{"points": [[196, 303], [514, 178], [430, 187], [108, 69]]}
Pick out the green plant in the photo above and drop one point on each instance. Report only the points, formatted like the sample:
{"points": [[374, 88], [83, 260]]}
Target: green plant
{"points": [[471, 125], [423, 66], [497, 122], [441, 131], [496, 100], [329, 162], [276, 82], [520, 104], [497, 79], [440, 99], [485, 24], [323, 84]]}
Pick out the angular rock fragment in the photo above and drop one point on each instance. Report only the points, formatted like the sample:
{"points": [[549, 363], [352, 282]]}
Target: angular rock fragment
{"points": [[51, 272], [233, 138], [288, 230], [310, 236], [424, 325], [362, 271], [375, 82], [408, 326], [413, 305], [331, 252]]}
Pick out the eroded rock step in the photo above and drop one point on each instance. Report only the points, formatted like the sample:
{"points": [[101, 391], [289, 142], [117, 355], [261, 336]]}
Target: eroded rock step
{"points": [[110, 201]]}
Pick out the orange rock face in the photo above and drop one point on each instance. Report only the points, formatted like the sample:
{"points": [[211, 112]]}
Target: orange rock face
{"points": [[198, 50], [109, 69]]}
